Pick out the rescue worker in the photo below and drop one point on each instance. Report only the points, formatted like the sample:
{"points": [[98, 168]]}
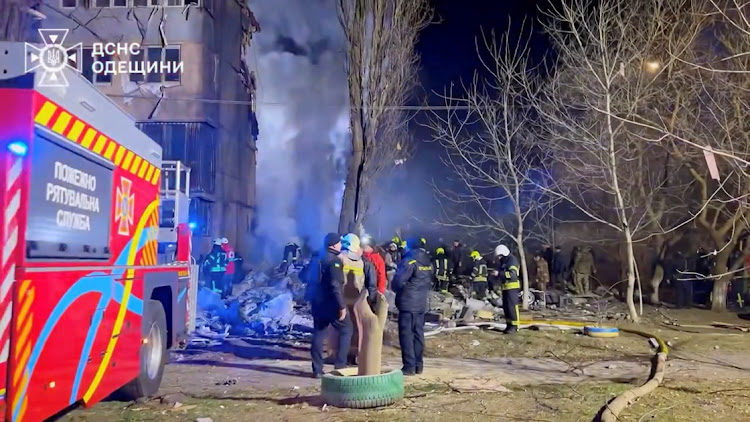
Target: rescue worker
{"points": [[558, 270], [542, 272], [291, 253], [412, 285], [507, 270], [479, 276], [215, 266], [442, 270], [329, 308], [457, 255], [392, 259], [583, 268], [358, 274], [423, 242], [231, 259], [377, 261]]}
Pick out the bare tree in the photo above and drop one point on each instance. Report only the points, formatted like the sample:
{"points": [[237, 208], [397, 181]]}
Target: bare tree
{"points": [[605, 80], [490, 147], [381, 69]]}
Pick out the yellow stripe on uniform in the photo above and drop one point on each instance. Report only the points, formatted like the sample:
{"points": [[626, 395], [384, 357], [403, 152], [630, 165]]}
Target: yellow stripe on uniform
{"points": [[88, 138], [100, 142], [128, 159], [155, 179], [62, 122], [45, 113], [142, 171], [119, 155], [136, 163], [76, 130], [110, 150]]}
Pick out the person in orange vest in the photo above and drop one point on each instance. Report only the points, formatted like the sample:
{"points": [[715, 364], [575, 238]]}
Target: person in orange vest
{"points": [[229, 274]]}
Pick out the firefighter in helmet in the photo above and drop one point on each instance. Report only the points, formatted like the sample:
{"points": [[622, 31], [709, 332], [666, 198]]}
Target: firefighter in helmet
{"points": [[479, 276]]}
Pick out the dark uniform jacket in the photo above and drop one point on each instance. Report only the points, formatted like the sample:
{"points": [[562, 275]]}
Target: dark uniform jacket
{"points": [[442, 267], [412, 282], [329, 298], [508, 267]]}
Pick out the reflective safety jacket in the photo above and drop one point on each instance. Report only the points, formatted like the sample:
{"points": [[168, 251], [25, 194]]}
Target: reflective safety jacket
{"points": [[354, 276], [216, 261], [479, 273], [442, 269], [508, 269]]}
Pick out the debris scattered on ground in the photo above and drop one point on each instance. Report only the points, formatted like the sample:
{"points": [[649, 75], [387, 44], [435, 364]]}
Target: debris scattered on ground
{"points": [[469, 385], [264, 305]]}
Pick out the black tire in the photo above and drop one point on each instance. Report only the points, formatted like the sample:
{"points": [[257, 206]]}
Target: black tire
{"points": [[362, 392], [148, 384]]}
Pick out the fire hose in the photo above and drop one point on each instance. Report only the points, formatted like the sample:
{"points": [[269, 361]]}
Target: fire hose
{"points": [[610, 411]]}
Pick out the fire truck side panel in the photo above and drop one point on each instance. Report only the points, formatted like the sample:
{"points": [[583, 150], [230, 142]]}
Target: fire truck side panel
{"points": [[15, 109], [79, 328]]}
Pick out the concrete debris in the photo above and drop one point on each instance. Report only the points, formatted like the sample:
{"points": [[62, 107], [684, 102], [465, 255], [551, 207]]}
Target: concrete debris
{"points": [[204, 420], [262, 306]]}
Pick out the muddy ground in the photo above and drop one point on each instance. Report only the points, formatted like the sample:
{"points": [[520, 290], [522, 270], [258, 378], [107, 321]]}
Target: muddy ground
{"points": [[474, 375]]}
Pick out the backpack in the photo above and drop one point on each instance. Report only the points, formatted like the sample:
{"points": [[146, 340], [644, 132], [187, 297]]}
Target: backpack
{"points": [[311, 276]]}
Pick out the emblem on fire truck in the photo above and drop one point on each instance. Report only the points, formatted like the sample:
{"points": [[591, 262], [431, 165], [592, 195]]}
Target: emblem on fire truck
{"points": [[125, 207]]}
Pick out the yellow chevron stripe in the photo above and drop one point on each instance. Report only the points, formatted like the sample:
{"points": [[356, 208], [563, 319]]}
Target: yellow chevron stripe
{"points": [[22, 410], [21, 368], [155, 179], [110, 150], [150, 172], [62, 122], [142, 171], [45, 113], [136, 164], [100, 142], [88, 138], [76, 130], [128, 160], [120, 153], [24, 335], [25, 308]]}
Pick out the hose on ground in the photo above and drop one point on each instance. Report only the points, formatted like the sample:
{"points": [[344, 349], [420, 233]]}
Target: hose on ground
{"points": [[611, 410]]}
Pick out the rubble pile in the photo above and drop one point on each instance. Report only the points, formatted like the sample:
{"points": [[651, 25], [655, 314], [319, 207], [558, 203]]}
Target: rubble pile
{"points": [[263, 305]]}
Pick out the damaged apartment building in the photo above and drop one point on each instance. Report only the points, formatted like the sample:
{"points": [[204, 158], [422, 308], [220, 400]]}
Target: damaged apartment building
{"points": [[203, 116]]}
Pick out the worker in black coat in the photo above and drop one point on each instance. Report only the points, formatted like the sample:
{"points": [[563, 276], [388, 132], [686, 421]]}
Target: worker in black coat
{"points": [[329, 308], [412, 285]]}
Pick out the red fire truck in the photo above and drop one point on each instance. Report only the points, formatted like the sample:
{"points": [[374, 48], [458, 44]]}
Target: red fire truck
{"points": [[90, 298]]}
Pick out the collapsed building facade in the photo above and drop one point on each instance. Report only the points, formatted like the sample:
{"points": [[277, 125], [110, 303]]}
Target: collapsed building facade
{"points": [[203, 116]]}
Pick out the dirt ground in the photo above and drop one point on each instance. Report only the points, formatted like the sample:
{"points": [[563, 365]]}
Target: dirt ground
{"points": [[533, 376]]}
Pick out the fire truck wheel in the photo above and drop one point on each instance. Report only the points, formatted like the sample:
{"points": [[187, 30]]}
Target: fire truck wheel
{"points": [[153, 354]]}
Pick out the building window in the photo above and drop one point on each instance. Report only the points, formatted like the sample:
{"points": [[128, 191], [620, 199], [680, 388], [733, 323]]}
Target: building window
{"points": [[182, 2], [193, 144], [88, 67], [111, 3], [69, 4], [200, 214], [157, 55]]}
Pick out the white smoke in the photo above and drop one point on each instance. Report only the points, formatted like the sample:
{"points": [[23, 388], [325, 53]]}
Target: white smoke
{"points": [[303, 141]]}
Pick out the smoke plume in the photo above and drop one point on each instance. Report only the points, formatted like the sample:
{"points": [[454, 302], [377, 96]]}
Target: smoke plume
{"points": [[298, 58]]}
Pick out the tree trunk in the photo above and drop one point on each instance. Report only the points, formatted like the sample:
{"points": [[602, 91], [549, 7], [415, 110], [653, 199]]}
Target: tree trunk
{"points": [[656, 280], [371, 325], [524, 271], [721, 283], [348, 217], [631, 275]]}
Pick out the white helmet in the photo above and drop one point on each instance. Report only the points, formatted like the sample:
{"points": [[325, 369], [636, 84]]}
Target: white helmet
{"points": [[502, 250], [217, 241], [224, 240]]}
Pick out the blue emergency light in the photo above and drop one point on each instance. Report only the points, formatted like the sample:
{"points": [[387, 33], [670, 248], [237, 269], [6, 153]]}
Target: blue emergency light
{"points": [[192, 225], [18, 148]]}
